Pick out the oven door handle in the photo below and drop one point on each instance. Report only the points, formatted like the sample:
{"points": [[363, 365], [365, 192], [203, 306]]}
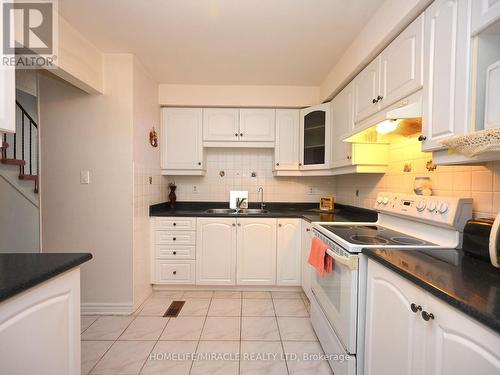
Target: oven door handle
{"points": [[349, 262]]}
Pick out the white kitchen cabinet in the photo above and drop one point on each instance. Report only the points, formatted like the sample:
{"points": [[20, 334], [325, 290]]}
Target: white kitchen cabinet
{"points": [[286, 149], [257, 125], [393, 333], [40, 328], [367, 91], [307, 235], [216, 251], [342, 123], [7, 99], [289, 246], [446, 71], [401, 64], [175, 272], [181, 141], [221, 124], [492, 107], [457, 345], [400, 341], [256, 251], [353, 157], [315, 137], [484, 14]]}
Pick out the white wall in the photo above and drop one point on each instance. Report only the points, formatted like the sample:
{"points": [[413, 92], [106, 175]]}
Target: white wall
{"points": [[91, 132], [19, 220], [238, 96], [146, 114], [237, 165]]}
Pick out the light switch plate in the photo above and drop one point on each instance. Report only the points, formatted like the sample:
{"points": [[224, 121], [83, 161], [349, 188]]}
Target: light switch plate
{"points": [[85, 177]]}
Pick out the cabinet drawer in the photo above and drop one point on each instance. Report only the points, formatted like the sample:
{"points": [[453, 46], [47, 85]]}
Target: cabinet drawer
{"points": [[174, 252], [172, 272], [175, 238], [175, 223]]}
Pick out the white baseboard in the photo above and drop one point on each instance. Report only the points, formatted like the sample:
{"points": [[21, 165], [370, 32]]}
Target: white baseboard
{"points": [[107, 308]]}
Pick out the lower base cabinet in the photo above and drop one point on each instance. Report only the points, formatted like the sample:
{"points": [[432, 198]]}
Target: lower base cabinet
{"points": [[399, 341], [175, 271], [306, 239], [289, 246], [256, 251], [216, 251]]}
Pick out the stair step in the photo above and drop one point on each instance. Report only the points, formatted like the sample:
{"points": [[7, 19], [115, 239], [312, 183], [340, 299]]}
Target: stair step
{"points": [[31, 177], [13, 161]]}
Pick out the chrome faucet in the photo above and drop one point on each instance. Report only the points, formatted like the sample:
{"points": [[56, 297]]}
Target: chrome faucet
{"points": [[262, 204]]}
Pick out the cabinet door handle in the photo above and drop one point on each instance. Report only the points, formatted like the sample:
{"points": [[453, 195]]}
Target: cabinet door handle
{"points": [[379, 98], [280, 225], [174, 224], [308, 230], [241, 134], [239, 224], [300, 164], [199, 163], [415, 308], [427, 316], [235, 134], [277, 164], [374, 101], [174, 239], [422, 138], [174, 273], [175, 252]]}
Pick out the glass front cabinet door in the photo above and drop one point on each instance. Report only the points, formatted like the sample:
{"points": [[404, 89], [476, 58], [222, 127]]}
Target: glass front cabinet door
{"points": [[315, 129]]}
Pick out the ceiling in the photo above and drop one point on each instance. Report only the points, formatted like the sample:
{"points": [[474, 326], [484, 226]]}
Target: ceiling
{"points": [[225, 42]]}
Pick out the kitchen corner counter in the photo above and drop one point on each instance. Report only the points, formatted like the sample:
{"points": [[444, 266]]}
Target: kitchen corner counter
{"points": [[306, 211], [22, 271], [470, 285]]}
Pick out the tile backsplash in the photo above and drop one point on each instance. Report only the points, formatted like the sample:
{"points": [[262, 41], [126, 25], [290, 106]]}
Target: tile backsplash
{"points": [[406, 161], [481, 183], [238, 165]]}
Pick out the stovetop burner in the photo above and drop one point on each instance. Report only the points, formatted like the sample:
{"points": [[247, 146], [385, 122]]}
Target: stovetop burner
{"points": [[367, 234], [368, 240]]}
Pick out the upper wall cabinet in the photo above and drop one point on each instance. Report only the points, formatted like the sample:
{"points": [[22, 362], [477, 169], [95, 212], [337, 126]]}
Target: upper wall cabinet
{"points": [[446, 71], [221, 124], [315, 135], [401, 64], [286, 149], [484, 13], [367, 91], [393, 75], [257, 125], [7, 99], [181, 141]]}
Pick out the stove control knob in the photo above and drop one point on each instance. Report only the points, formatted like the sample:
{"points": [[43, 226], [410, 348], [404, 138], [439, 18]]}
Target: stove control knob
{"points": [[385, 200], [443, 207], [431, 206], [379, 200], [420, 206]]}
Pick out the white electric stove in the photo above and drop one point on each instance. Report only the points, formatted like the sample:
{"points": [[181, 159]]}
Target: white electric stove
{"points": [[404, 222]]}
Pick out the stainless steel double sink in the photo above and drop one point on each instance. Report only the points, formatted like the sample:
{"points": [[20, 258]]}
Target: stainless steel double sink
{"points": [[243, 211]]}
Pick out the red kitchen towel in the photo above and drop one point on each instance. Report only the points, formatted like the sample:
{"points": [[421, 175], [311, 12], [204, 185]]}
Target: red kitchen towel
{"points": [[318, 257]]}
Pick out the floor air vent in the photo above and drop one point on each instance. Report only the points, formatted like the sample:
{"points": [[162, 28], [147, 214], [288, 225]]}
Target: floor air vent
{"points": [[174, 309]]}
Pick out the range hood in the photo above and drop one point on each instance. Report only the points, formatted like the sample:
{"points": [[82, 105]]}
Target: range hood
{"points": [[403, 118]]}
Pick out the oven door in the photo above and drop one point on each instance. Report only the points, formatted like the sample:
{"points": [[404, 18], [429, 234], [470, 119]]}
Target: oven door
{"points": [[337, 295]]}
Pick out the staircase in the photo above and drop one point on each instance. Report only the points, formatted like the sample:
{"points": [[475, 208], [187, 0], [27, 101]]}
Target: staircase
{"points": [[21, 148]]}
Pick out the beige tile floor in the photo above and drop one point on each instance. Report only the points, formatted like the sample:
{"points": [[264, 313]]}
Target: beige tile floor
{"points": [[233, 333]]}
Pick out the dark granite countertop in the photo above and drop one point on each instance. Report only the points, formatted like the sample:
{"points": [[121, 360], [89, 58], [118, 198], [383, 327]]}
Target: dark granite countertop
{"points": [[469, 284], [307, 211], [21, 271]]}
